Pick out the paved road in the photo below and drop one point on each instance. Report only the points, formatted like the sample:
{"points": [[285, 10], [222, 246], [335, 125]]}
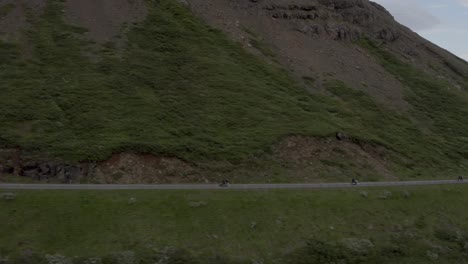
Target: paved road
{"points": [[216, 187]]}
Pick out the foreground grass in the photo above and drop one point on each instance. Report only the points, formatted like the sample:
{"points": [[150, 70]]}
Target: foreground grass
{"points": [[412, 225]]}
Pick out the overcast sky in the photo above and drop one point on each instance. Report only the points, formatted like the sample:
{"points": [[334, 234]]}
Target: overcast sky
{"points": [[444, 22]]}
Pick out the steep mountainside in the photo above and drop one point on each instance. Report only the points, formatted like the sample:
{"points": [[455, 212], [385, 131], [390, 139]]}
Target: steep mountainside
{"points": [[314, 40], [253, 90]]}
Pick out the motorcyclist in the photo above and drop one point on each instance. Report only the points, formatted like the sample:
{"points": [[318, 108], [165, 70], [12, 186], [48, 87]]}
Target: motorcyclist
{"points": [[460, 178], [354, 181], [224, 183]]}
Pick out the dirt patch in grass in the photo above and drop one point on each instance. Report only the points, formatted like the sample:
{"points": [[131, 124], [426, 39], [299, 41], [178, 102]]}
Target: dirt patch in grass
{"points": [[105, 19], [143, 168], [14, 18], [10, 160], [325, 157]]}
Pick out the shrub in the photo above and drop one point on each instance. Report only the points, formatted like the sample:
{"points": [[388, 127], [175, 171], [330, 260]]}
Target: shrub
{"points": [[406, 194], [386, 195], [132, 200], [319, 252], [3, 260], [169, 255], [57, 259], [28, 257], [8, 196], [194, 204], [124, 257], [448, 233], [88, 261], [358, 244]]}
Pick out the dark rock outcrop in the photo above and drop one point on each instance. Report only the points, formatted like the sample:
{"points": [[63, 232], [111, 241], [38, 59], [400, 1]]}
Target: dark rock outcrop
{"points": [[338, 20]]}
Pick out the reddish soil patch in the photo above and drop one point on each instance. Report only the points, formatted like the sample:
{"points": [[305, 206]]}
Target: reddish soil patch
{"points": [[293, 159], [105, 18], [143, 168], [10, 160], [304, 155]]}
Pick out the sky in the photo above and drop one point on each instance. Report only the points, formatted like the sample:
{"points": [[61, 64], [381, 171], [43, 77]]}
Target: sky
{"points": [[444, 22]]}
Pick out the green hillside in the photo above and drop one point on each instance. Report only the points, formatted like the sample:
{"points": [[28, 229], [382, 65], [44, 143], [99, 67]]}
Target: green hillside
{"points": [[180, 88]]}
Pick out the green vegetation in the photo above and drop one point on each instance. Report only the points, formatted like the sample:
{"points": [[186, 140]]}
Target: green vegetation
{"points": [[413, 152], [393, 225], [439, 108], [6, 9], [199, 97], [180, 88]]}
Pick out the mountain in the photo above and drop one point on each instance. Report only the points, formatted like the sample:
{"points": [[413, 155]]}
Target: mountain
{"points": [[250, 90]]}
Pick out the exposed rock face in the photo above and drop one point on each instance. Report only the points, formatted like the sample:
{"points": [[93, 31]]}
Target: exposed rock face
{"points": [[120, 168], [12, 161], [338, 20]]}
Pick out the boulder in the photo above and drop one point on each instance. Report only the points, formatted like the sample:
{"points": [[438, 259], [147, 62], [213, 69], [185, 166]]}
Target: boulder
{"points": [[340, 136], [72, 172], [6, 169], [44, 169], [32, 173]]}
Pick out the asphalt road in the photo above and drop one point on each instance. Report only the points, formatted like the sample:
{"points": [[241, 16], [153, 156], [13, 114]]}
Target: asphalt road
{"points": [[217, 187]]}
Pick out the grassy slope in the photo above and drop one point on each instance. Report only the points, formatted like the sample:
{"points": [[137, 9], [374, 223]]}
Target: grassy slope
{"points": [[181, 88], [194, 96], [439, 111], [265, 225]]}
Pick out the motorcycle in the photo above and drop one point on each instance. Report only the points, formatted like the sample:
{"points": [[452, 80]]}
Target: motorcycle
{"points": [[224, 184]]}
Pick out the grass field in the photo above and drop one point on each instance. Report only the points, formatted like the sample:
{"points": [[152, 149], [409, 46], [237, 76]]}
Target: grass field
{"points": [[392, 225]]}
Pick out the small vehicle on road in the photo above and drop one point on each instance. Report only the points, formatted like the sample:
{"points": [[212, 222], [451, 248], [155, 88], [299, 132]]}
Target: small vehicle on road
{"points": [[224, 183], [460, 178], [354, 181]]}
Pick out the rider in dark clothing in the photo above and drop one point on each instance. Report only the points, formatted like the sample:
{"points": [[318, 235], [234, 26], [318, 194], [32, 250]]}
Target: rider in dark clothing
{"points": [[460, 178], [353, 181]]}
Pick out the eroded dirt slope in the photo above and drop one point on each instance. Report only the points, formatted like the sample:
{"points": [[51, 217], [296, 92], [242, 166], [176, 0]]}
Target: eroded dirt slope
{"points": [[105, 19], [312, 38], [294, 158]]}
